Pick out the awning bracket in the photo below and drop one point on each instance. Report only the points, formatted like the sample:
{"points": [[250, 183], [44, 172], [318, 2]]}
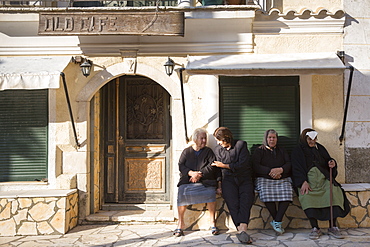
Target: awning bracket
{"points": [[70, 109], [183, 104], [341, 138]]}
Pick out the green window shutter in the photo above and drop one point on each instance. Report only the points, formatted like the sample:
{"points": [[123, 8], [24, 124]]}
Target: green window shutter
{"points": [[23, 135], [251, 105]]}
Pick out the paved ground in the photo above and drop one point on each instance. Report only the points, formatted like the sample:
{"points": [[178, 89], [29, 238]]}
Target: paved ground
{"points": [[160, 234]]}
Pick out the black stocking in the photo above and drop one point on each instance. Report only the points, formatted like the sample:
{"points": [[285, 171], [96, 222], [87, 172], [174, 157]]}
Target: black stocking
{"points": [[271, 207], [282, 207], [313, 223]]}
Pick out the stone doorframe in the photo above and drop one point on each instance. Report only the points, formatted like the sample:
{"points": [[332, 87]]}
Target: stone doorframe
{"points": [[171, 84]]}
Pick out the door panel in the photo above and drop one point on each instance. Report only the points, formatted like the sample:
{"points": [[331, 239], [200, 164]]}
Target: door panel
{"points": [[138, 157], [143, 174]]}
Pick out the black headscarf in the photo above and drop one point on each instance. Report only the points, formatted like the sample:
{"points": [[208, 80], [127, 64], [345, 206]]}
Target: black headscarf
{"points": [[307, 157]]}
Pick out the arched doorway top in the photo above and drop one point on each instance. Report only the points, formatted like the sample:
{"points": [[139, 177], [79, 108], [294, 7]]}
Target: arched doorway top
{"points": [[111, 72]]}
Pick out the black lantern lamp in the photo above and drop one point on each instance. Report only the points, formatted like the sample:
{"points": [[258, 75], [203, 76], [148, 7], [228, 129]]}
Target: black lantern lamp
{"points": [[86, 67], [169, 66]]}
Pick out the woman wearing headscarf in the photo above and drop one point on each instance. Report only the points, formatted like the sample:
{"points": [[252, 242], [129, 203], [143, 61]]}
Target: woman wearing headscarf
{"points": [[272, 168], [311, 164], [198, 180], [232, 156]]}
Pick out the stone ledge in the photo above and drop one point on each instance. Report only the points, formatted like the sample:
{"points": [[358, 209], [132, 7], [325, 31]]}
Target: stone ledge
{"points": [[38, 212], [356, 187], [36, 193], [197, 217]]}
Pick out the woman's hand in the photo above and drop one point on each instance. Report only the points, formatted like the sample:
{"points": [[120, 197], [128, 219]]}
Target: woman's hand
{"points": [[305, 188], [220, 164], [219, 191], [276, 173], [195, 176], [331, 163]]}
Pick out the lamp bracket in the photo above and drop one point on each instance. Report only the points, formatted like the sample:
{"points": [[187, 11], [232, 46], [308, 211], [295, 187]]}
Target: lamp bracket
{"points": [[77, 59]]}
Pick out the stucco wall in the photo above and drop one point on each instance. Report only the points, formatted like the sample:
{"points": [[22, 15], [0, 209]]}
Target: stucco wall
{"points": [[289, 43], [356, 47], [327, 113]]}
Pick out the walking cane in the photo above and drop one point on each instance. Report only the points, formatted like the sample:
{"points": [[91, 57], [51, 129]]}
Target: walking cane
{"points": [[331, 197]]}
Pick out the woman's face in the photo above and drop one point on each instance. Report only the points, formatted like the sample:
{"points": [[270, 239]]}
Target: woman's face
{"points": [[311, 143], [223, 143], [201, 140], [271, 140]]}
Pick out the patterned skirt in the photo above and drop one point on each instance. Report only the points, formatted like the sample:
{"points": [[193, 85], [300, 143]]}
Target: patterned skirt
{"points": [[272, 190], [195, 193]]}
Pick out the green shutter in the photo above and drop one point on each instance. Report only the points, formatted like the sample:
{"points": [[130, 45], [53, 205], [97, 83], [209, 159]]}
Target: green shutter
{"points": [[251, 105], [23, 135]]}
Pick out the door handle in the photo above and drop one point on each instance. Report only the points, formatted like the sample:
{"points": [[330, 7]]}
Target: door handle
{"points": [[120, 140]]}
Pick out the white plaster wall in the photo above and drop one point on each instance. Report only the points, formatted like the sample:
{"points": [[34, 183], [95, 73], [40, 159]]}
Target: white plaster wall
{"points": [[357, 48], [305, 91]]}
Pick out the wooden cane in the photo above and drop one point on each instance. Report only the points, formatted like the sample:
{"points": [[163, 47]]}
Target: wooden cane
{"points": [[331, 197]]}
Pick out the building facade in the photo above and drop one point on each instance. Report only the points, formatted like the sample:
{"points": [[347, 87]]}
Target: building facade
{"points": [[114, 137]]}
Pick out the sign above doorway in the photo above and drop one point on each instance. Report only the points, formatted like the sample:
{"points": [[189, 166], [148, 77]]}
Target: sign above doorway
{"points": [[112, 23]]}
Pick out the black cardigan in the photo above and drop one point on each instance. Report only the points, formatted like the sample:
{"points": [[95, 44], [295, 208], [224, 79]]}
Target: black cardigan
{"points": [[303, 160], [237, 157], [189, 161], [264, 160]]}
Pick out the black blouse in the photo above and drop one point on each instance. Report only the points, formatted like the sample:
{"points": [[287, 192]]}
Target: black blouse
{"points": [[237, 157], [264, 160], [189, 161]]}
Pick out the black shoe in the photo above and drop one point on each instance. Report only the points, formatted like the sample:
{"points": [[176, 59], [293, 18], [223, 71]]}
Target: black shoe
{"points": [[244, 238], [178, 233]]}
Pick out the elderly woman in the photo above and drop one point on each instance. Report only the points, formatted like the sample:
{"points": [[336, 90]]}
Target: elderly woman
{"points": [[272, 167], [232, 156], [198, 180], [311, 164]]}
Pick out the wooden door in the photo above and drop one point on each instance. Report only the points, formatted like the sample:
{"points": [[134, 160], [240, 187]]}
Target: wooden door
{"points": [[136, 141]]}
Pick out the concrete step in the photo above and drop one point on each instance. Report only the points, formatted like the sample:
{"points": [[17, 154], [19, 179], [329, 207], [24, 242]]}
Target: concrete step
{"points": [[122, 216], [148, 207]]}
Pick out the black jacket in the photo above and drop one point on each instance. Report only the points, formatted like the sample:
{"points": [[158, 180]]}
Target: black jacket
{"points": [[305, 157]]}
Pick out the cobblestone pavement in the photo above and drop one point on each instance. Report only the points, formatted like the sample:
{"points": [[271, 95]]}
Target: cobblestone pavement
{"points": [[160, 234]]}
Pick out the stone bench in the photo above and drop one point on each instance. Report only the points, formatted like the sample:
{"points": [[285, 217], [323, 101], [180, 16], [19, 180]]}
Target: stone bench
{"points": [[197, 217], [38, 212]]}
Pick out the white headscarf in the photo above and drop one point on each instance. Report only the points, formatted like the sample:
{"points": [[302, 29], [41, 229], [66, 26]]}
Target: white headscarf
{"points": [[312, 134]]}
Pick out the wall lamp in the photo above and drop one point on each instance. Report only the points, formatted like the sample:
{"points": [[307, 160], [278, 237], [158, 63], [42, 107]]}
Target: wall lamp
{"points": [[169, 66], [85, 64]]}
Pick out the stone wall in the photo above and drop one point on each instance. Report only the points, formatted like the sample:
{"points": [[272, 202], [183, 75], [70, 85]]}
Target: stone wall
{"points": [[26, 213], [197, 217]]}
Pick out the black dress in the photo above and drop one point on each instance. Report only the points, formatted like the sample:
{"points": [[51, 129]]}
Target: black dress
{"points": [[306, 161]]}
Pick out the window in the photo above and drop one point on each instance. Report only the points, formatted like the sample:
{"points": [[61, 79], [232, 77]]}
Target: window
{"points": [[251, 105], [23, 135]]}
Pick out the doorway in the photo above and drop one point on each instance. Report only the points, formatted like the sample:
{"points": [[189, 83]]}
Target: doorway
{"points": [[136, 134]]}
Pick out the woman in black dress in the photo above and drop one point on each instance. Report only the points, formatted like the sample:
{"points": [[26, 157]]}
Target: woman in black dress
{"points": [[198, 180], [232, 156], [272, 167], [311, 164]]}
